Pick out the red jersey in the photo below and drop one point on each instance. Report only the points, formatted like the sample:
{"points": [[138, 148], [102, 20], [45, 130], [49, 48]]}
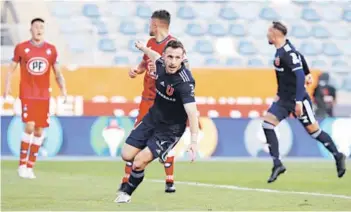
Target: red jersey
{"points": [[149, 92], [35, 62]]}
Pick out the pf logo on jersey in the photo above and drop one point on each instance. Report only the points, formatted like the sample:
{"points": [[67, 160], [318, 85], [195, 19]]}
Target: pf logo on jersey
{"points": [[37, 65]]}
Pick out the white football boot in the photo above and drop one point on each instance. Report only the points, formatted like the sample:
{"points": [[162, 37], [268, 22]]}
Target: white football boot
{"points": [[22, 171], [30, 174], [123, 198]]}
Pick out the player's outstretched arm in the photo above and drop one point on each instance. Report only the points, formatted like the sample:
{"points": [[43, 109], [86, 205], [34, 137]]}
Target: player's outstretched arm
{"points": [[191, 111], [60, 80], [153, 55], [11, 70]]}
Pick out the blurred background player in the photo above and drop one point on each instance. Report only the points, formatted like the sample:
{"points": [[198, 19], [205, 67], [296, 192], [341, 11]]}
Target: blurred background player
{"points": [[159, 30], [159, 131], [292, 98], [324, 97], [35, 57]]}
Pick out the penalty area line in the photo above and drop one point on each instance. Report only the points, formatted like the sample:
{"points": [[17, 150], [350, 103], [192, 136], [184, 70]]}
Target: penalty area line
{"points": [[239, 188]]}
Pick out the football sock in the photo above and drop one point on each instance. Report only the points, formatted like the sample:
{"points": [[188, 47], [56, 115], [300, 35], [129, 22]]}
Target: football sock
{"points": [[127, 171], [136, 177], [272, 141], [327, 141], [24, 148], [34, 149], [169, 169]]}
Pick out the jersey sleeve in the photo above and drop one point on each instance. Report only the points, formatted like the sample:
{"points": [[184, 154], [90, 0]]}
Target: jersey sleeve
{"points": [[293, 61], [305, 67], [186, 92], [16, 54], [55, 56]]}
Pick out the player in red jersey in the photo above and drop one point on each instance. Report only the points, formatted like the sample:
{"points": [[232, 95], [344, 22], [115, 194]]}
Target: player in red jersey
{"points": [[36, 57], [159, 30]]}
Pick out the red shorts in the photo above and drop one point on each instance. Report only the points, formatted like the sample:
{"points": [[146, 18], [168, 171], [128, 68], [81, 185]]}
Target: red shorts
{"points": [[144, 107], [37, 111]]}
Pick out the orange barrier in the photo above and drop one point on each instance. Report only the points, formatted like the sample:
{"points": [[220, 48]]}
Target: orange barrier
{"points": [[94, 81]]}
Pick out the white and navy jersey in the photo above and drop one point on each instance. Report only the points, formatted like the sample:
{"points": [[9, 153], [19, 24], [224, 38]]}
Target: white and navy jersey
{"points": [[172, 92], [287, 61]]}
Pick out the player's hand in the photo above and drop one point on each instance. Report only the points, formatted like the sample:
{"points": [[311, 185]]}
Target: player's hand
{"points": [[139, 45], [298, 109], [309, 80], [133, 72], [64, 94], [192, 149], [151, 67]]}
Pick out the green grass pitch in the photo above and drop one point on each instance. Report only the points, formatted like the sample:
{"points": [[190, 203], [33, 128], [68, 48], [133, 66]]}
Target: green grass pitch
{"points": [[91, 185]]}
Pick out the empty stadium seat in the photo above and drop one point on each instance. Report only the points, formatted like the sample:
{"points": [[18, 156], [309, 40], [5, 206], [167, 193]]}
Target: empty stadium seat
{"points": [[309, 14], [330, 13], [186, 12], [246, 48], [204, 47], [320, 32], [121, 60], [248, 11], [347, 15], [144, 11], [237, 30], [121, 9], [91, 10], [300, 31], [330, 49], [212, 61], [107, 45], [228, 13], [318, 64], [195, 29], [309, 49], [255, 62], [346, 47], [238, 62], [128, 28], [217, 30], [302, 2], [269, 13], [339, 31], [100, 26], [339, 63]]}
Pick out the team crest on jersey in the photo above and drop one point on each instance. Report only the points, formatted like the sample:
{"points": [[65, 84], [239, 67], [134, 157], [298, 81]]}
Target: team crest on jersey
{"points": [[277, 61], [37, 65], [169, 90], [26, 50], [48, 51]]}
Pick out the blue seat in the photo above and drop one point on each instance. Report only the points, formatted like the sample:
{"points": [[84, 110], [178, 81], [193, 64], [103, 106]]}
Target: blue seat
{"points": [[211, 61], [300, 31], [91, 10], [320, 32], [237, 30], [100, 26], [186, 12], [246, 48], [309, 49], [217, 30], [268, 13], [339, 32], [194, 29], [302, 2], [107, 45], [347, 15], [330, 49], [235, 62], [121, 60], [339, 63], [255, 62], [204, 47], [309, 14], [318, 63], [228, 13], [144, 11], [128, 28]]}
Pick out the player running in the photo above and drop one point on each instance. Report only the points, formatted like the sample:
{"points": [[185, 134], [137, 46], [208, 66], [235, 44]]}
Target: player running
{"points": [[159, 29], [292, 98], [164, 124], [35, 57]]}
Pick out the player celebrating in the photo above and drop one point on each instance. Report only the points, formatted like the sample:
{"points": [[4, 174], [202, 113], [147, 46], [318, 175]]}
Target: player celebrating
{"points": [[159, 29], [160, 129], [292, 98], [35, 57]]}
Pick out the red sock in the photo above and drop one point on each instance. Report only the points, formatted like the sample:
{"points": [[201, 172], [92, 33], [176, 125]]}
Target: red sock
{"points": [[33, 153], [24, 149], [127, 171], [169, 169]]}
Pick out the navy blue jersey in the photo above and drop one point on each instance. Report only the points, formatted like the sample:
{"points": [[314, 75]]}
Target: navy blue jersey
{"points": [[287, 61], [172, 92]]}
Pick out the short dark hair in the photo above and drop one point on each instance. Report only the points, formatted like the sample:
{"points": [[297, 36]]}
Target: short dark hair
{"points": [[174, 44], [281, 27], [162, 15], [37, 19]]}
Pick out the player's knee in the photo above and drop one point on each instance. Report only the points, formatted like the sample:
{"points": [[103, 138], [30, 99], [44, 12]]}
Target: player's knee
{"points": [[127, 156], [29, 128], [315, 133], [267, 125], [271, 118], [312, 128], [38, 131], [139, 163]]}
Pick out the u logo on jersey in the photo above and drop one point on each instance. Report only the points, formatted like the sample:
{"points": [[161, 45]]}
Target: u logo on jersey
{"points": [[37, 65], [169, 90], [277, 61]]}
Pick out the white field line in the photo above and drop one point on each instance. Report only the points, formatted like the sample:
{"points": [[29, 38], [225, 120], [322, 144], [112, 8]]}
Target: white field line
{"points": [[238, 188]]}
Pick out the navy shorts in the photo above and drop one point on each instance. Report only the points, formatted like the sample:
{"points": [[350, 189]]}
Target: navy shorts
{"points": [[283, 108], [160, 138]]}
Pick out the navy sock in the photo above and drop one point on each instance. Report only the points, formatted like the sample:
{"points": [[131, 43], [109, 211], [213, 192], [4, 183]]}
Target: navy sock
{"points": [[272, 141], [135, 178], [327, 141]]}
